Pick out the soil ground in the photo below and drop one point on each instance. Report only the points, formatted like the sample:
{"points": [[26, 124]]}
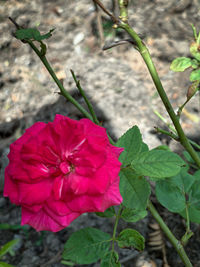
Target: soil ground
{"points": [[116, 82]]}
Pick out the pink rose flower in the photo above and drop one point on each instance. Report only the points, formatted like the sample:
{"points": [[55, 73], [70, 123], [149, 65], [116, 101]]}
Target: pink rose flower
{"points": [[61, 169]]}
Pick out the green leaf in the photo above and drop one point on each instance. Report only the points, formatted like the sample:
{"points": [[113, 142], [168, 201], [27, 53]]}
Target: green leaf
{"points": [[170, 196], [8, 247], [188, 157], [110, 212], [130, 238], [183, 180], [6, 226], [131, 215], [4, 264], [162, 147], [180, 64], [194, 214], [195, 64], [195, 75], [194, 196], [194, 31], [194, 51], [68, 263], [144, 148], [194, 202], [197, 175], [32, 34], [157, 163], [171, 193], [110, 259], [131, 141], [86, 246], [134, 189]]}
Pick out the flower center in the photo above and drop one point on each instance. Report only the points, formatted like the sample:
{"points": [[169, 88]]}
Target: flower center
{"points": [[65, 167]]}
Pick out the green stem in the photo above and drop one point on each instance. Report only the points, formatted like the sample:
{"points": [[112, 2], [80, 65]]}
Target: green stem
{"points": [[89, 105], [147, 58], [123, 4], [169, 125], [115, 226], [188, 232], [176, 243], [187, 218], [58, 82], [174, 136], [61, 87]]}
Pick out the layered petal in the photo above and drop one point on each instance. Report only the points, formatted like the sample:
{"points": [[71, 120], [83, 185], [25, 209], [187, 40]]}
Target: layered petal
{"points": [[61, 169], [40, 220]]}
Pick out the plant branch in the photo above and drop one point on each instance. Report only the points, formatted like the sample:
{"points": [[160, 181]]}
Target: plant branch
{"points": [[152, 70], [114, 19], [58, 82], [119, 42], [89, 105], [172, 135], [44, 60], [115, 226], [176, 243], [99, 23], [188, 232], [61, 87], [175, 137], [123, 5]]}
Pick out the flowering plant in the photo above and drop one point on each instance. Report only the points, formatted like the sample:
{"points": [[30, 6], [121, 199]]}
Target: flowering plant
{"points": [[61, 169]]}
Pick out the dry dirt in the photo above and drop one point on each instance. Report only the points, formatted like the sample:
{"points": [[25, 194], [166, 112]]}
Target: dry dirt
{"points": [[116, 82]]}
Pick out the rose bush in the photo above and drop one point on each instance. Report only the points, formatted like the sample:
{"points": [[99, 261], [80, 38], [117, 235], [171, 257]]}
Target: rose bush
{"points": [[61, 169]]}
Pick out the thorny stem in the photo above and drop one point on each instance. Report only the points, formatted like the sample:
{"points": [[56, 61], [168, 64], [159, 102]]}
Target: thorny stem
{"points": [[58, 82], [176, 243], [172, 135], [61, 87], [123, 5], [152, 70], [184, 141], [89, 105], [41, 55], [114, 19], [158, 84]]}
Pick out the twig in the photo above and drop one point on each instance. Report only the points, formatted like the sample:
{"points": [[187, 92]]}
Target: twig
{"points": [[63, 91], [172, 135], [114, 19], [120, 42], [15, 23], [99, 24], [157, 82], [176, 243], [89, 105]]}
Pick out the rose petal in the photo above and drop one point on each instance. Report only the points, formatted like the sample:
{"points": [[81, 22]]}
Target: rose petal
{"points": [[59, 170], [11, 188], [41, 221], [94, 203], [34, 193]]}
